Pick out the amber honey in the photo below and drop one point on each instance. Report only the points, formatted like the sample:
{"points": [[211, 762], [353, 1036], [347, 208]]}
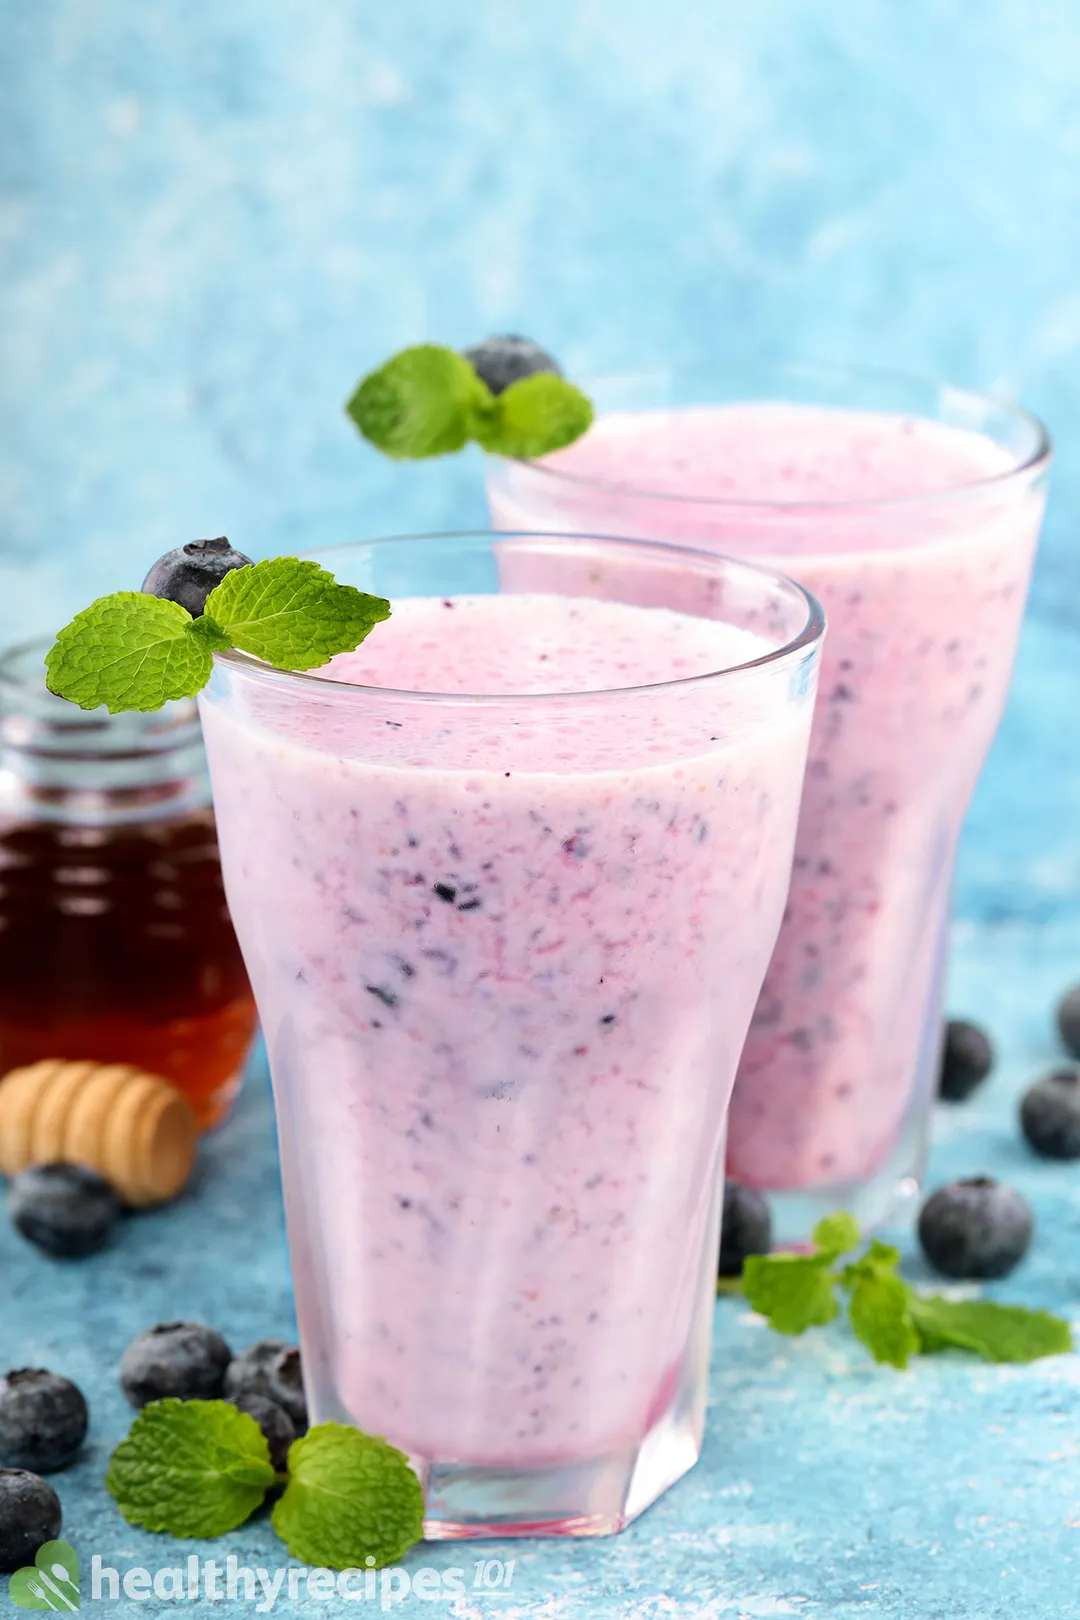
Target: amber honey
{"points": [[115, 939]]}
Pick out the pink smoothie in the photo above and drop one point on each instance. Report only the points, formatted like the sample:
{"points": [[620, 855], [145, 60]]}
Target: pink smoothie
{"points": [[923, 599], [505, 958]]}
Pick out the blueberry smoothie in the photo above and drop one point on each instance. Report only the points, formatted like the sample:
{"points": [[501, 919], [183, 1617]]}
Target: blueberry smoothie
{"points": [[505, 952], [918, 538]]}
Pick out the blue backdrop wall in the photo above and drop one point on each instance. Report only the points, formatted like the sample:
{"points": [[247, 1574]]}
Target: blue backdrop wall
{"points": [[213, 217]]}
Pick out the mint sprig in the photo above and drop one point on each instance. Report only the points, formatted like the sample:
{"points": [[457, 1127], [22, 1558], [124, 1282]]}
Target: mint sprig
{"points": [[429, 401], [192, 1468], [799, 1291], [134, 651], [350, 1496], [201, 1468]]}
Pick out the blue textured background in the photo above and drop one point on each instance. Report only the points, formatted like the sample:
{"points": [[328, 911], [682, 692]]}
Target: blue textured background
{"points": [[214, 217]]}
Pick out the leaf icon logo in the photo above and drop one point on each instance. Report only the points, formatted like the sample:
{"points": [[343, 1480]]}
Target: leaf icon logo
{"points": [[51, 1582]]}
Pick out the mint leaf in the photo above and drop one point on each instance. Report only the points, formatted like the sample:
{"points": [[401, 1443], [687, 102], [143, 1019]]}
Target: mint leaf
{"points": [[880, 1306], [128, 651], [534, 416], [792, 1291], [995, 1332], [190, 1468], [423, 402], [429, 401], [837, 1234], [292, 613], [350, 1496]]}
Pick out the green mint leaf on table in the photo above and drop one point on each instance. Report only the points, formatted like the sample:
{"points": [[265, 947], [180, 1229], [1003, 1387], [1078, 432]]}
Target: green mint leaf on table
{"points": [[424, 401], [292, 613], [797, 1291], [995, 1332], [191, 1468], [128, 651], [351, 1496], [835, 1235], [134, 651], [792, 1291], [535, 416], [428, 401], [879, 1306]]}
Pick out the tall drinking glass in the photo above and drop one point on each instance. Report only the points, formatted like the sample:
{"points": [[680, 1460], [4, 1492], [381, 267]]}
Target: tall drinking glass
{"points": [[912, 513], [506, 880]]}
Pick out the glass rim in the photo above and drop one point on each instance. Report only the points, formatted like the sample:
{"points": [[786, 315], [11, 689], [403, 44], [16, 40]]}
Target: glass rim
{"points": [[1034, 462], [809, 636]]}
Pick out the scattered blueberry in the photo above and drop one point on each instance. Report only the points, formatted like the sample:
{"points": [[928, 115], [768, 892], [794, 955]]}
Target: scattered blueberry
{"points": [[65, 1209], [506, 358], [975, 1228], [189, 573], [43, 1420], [746, 1228], [270, 1368], [1068, 1020], [1050, 1114], [185, 1359], [29, 1516], [966, 1059], [273, 1420]]}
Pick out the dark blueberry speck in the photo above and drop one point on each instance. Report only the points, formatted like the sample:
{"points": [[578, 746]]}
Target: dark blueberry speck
{"points": [[445, 891], [387, 997]]}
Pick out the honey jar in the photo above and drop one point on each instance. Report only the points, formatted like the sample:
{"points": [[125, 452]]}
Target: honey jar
{"points": [[115, 938]]}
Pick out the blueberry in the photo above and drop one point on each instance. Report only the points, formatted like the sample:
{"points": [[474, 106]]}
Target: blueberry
{"points": [[746, 1228], [1050, 1114], [273, 1420], [1068, 1020], [270, 1368], [65, 1209], [506, 358], [185, 1359], [966, 1059], [43, 1420], [29, 1516], [188, 574], [975, 1228]]}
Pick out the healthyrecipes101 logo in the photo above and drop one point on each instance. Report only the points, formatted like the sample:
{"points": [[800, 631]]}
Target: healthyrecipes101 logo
{"points": [[50, 1582]]}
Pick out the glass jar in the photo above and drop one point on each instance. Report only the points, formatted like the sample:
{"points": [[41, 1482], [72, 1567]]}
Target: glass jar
{"points": [[115, 939]]}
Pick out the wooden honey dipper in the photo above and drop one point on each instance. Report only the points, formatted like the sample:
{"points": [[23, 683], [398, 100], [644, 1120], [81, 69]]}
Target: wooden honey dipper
{"points": [[133, 1128]]}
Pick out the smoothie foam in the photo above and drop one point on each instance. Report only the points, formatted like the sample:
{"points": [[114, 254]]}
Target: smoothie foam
{"points": [[923, 599], [505, 958]]}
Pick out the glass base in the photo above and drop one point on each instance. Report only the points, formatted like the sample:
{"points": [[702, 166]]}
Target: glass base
{"points": [[889, 1195], [592, 1498]]}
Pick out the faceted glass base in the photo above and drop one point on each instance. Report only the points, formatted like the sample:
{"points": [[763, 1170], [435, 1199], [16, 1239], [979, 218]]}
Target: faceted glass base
{"points": [[592, 1498]]}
